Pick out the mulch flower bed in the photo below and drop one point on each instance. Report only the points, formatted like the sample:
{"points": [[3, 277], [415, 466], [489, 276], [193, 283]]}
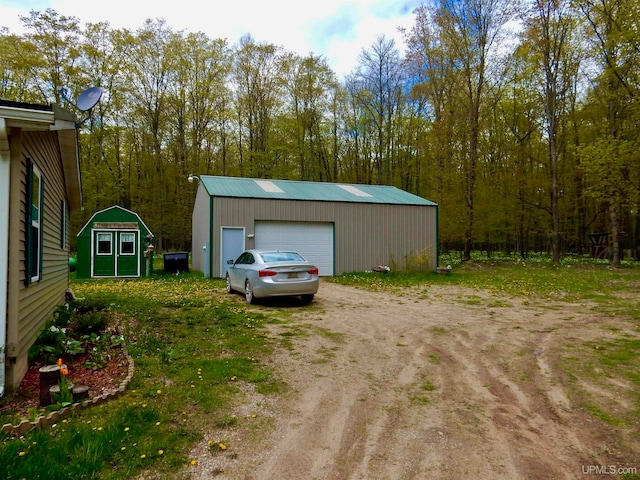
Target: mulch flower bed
{"points": [[25, 401]]}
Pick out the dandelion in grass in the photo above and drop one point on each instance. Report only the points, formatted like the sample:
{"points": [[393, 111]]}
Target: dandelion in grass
{"points": [[143, 456], [22, 454], [194, 462], [126, 429], [157, 424], [159, 392], [160, 452]]}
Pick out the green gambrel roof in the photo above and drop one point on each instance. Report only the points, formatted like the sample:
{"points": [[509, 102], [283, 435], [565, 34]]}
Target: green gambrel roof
{"points": [[315, 191]]}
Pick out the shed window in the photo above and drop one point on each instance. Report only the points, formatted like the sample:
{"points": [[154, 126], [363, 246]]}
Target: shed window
{"points": [[33, 250], [104, 244], [127, 244]]}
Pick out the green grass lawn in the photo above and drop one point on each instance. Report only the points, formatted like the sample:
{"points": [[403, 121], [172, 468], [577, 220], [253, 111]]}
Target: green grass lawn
{"points": [[193, 345]]}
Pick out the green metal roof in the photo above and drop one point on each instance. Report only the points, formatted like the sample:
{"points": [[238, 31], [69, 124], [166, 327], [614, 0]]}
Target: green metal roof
{"points": [[316, 191]]}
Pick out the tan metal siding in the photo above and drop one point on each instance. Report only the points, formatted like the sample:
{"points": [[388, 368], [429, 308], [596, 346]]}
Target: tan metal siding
{"points": [[366, 235], [391, 235], [201, 228]]}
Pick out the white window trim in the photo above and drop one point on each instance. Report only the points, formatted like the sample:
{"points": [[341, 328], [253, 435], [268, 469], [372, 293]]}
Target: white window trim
{"points": [[132, 254], [63, 225], [110, 234], [37, 224]]}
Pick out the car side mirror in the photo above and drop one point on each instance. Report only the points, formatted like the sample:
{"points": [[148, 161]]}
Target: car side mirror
{"points": [[230, 262]]}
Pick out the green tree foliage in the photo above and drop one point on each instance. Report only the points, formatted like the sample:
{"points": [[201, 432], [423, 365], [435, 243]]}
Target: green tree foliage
{"points": [[256, 75], [310, 85], [527, 144], [548, 36], [613, 28]]}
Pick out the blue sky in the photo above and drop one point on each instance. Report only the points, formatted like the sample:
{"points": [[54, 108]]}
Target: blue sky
{"points": [[335, 29]]}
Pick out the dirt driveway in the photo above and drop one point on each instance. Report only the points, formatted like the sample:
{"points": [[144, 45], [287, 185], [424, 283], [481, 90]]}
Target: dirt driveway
{"points": [[442, 383]]}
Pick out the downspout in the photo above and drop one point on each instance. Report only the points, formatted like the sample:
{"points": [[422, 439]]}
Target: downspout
{"points": [[5, 164]]}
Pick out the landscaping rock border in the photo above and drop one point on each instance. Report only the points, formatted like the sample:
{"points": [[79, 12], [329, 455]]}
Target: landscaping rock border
{"points": [[45, 421]]}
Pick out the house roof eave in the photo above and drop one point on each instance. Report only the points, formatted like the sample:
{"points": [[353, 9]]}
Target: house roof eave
{"points": [[31, 117]]}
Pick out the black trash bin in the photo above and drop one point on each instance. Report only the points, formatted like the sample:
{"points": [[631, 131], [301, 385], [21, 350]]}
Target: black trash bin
{"points": [[176, 262]]}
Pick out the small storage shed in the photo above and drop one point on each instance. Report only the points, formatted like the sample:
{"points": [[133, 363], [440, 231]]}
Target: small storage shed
{"points": [[112, 244], [339, 227]]}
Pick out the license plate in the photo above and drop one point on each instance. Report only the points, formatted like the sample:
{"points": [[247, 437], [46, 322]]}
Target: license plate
{"points": [[292, 275]]}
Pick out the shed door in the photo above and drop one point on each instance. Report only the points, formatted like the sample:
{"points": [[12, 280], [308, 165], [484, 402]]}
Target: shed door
{"points": [[232, 246], [104, 255], [314, 240], [128, 259], [116, 253]]}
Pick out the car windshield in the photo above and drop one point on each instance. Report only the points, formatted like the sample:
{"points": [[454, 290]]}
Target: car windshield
{"points": [[281, 257]]}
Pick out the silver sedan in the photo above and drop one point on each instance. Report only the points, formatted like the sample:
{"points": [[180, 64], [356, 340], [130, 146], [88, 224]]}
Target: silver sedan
{"points": [[272, 273]]}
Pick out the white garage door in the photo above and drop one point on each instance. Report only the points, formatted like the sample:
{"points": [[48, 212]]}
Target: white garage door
{"points": [[313, 240]]}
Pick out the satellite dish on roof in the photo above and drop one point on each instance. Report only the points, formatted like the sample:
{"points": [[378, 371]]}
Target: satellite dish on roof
{"points": [[88, 99]]}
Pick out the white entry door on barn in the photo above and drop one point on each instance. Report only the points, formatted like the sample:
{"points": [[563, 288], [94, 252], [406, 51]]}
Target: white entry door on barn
{"points": [[314, 240]]}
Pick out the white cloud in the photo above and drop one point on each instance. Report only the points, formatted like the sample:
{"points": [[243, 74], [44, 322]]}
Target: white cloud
{"points": [[335, 29]]}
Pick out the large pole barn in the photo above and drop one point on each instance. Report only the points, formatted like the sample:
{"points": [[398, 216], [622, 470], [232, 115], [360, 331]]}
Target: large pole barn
{"points": [[338, 227]]}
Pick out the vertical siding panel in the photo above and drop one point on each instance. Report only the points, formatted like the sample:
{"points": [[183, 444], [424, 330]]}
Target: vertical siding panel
{"points": [[200, 220]]}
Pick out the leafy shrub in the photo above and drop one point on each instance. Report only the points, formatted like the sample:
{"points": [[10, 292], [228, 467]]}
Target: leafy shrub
{"points": [[53, 343], [93, 321], [101, 348], [63, 314], [70, 331], [93, 304]]}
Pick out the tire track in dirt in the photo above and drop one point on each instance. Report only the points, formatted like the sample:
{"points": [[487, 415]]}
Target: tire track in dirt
{"points": [[432, 386]]}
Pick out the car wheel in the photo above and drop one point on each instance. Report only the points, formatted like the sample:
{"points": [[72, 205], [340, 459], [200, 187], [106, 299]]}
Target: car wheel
{"points": [[248, 293], [307, 298], [229, 289]]}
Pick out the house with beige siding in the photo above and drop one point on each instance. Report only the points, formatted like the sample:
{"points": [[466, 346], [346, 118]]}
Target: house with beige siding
{"points": [[338, 227], [39, 186]]}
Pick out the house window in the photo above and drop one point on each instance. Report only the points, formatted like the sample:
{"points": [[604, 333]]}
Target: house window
{"points": [[127, 244], [33, 251], [104, 244], [63, 224]]}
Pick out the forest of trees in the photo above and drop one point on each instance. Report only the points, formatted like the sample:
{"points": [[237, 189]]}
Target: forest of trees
{"points": [[520, 120]]}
